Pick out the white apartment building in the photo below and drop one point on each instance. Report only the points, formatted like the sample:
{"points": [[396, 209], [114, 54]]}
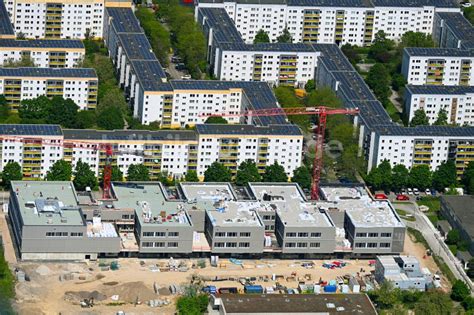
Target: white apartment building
{"points": [[43, 53], [79, 85], [457, 101], [277, 64], [37, 147], [59, 19], [438, 66], [338, 21]]}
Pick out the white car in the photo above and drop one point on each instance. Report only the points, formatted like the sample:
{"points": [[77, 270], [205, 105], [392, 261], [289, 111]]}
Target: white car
{"points": [[416, 192], [466, 5], [427, 191], [186, 77], [410, 191]]}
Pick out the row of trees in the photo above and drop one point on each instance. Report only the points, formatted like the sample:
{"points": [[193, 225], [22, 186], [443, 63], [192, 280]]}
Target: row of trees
{"points": [[386, 178], [420, 118], [262, 37], [186, 35]]}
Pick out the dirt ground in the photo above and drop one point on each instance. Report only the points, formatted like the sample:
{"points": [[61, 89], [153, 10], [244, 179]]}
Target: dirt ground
{"points": [[135, 279]]}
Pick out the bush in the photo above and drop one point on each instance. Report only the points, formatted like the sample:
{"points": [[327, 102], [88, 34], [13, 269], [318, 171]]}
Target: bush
{"points": [[460, 291]]}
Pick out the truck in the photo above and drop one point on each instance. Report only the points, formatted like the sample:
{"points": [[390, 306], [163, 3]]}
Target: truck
{"points": [[253, 289], [209, 289]]}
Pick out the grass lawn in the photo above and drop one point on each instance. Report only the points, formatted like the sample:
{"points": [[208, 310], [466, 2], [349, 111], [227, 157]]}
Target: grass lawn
{"points": [[393, 112], [403, 214], [431, 202], [7, 287]]}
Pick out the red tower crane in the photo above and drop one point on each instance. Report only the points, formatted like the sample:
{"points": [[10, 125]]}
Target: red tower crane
{"points": [[321, 111]]}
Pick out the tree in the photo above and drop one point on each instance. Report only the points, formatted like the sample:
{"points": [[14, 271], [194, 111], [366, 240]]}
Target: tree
{"points": [[470, 270], [381, 47], [468, 303], [117, 175], [378, 80], [398, 82], [310, 86], [416, 39], [110, 118], [261, 37], [64, 112], [4, 108], [192, 305], [434, 302], [468, 178], [216, 120], [400, 177], [385, 169], [442, 119], [374, 179], [460, 291], [419, 118], [84, 177], [445, 175], [191, 176], [287, 99], [285, 37], [420, 176], [453, 237], [386, 296], [217, 172], [247, 173], [86, 119], [275, 173], [302, 176], [138, 173], [36, 109], [469, 14], [25, 61], [60, 171], [11, 171], [351, 53]]}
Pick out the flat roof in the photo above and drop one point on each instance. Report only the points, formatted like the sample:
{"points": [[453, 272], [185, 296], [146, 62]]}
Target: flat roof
{"points": [[223, 27], [41, 43], [234, 213], [416, 3], [333, 57], [123, 20], [462, 209], [149, 204], [131, 135], [30, 130], [49, 72], [437, 52], [265, 47], [351, 303], [136, 46], [272, 130], [150, 74], [6, 28], [331, 3], [47, 203], [360, 208], [458, 25], [211, 192], [440, 89]]}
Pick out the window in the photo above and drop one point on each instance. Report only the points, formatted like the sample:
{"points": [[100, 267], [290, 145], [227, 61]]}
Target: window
{"points": [[148, 234], [373, 234], [173, 234], [317, 234], [302, 245], [372, 245], [159, 244], [291, 234], [385, 234], [290, 245], [244, 244], [231, 234], [303, 234], [244, 234], [76, 234], [361, 234], [315, 245], [147, 244], [384, 245], [220, 234], [173, 244], [360, 245], [49, 234], [219, 244], [160, 234], [231, 244]]}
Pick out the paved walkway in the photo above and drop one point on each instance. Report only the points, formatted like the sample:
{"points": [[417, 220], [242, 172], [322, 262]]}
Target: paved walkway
{"points": [[9, 251]]}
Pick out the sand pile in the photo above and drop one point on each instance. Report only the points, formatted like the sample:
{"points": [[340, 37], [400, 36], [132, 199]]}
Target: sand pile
{"points": [[78, 296], [43, 270], [130, 291]]}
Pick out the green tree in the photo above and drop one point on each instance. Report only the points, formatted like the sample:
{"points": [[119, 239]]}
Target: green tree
{"points": [[157, 34], [4, 108], [453, 237], [420, 176], [374, 179], [378, 80], [64, 112], [261, 37], [275, 173], [247, 173], [351, 53], [117, 175], [470, 270], [416, 39], [381, 48], [86, 119], [110, 118], [419, 119], [468, 303], [385, 169], [459, 291], [445, 175], [138, 173], [400, 177], [84, 177], [398, 82], [25, 61], [434, 302], [287, 99], [192, 305], [191, 176], [217, 172], [442, 119], [285, 37], [216, 120], [302, 176], [11, 171], [60, 171], [386, 296], [36, 109], [310, 86], [469, 14], [468, 178]]}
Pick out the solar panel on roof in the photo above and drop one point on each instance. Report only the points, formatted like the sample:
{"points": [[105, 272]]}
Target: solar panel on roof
{"points": [[42, 43], [6, 27], [123, 20], [49, 72], [30, 130]]}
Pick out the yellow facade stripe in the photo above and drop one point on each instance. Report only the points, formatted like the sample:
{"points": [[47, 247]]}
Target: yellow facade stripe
{"points": [[116, 4], [21, 49]]}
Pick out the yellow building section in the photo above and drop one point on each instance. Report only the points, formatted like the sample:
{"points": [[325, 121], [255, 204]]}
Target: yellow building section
{"points": [[435, 72], [12, 93], [465, 73], [464, 155], [118, 4], [73, 2], [257, 67], [7, 36], [43, 49], [31, 162], [311, 20], [288, 69], [369, 27], [422, 152], [92, 94], [54, 12]]}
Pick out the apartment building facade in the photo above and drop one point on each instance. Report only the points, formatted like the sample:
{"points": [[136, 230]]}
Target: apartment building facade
{"points": [[79, 85], [340, 22], [43, 53], [438, 66], [456, 101]]}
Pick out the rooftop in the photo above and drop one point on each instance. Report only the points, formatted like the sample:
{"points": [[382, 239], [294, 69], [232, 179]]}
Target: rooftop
{"points": [[234, 213], [461, 206], [123, 20], [149, 203], [130, 135], [458, 25], [416, 3], [6, 27], [223, 27], [30, 130], [438, 52], [297, 304], [273, 47], [272, 130], [151, 75], [47, 203], [136, 46], [207, 191], [333, 57], [41, 43], [49, 72], [440, 89]]}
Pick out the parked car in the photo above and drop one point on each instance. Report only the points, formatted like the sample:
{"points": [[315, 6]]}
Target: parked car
{"points": [[410, 191], [402, 197], [427, 191], [416, 192], [433, 192], [180, 66], [381, 196], [176, 59], [186, 77], [403, 191], [466, 4]]}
